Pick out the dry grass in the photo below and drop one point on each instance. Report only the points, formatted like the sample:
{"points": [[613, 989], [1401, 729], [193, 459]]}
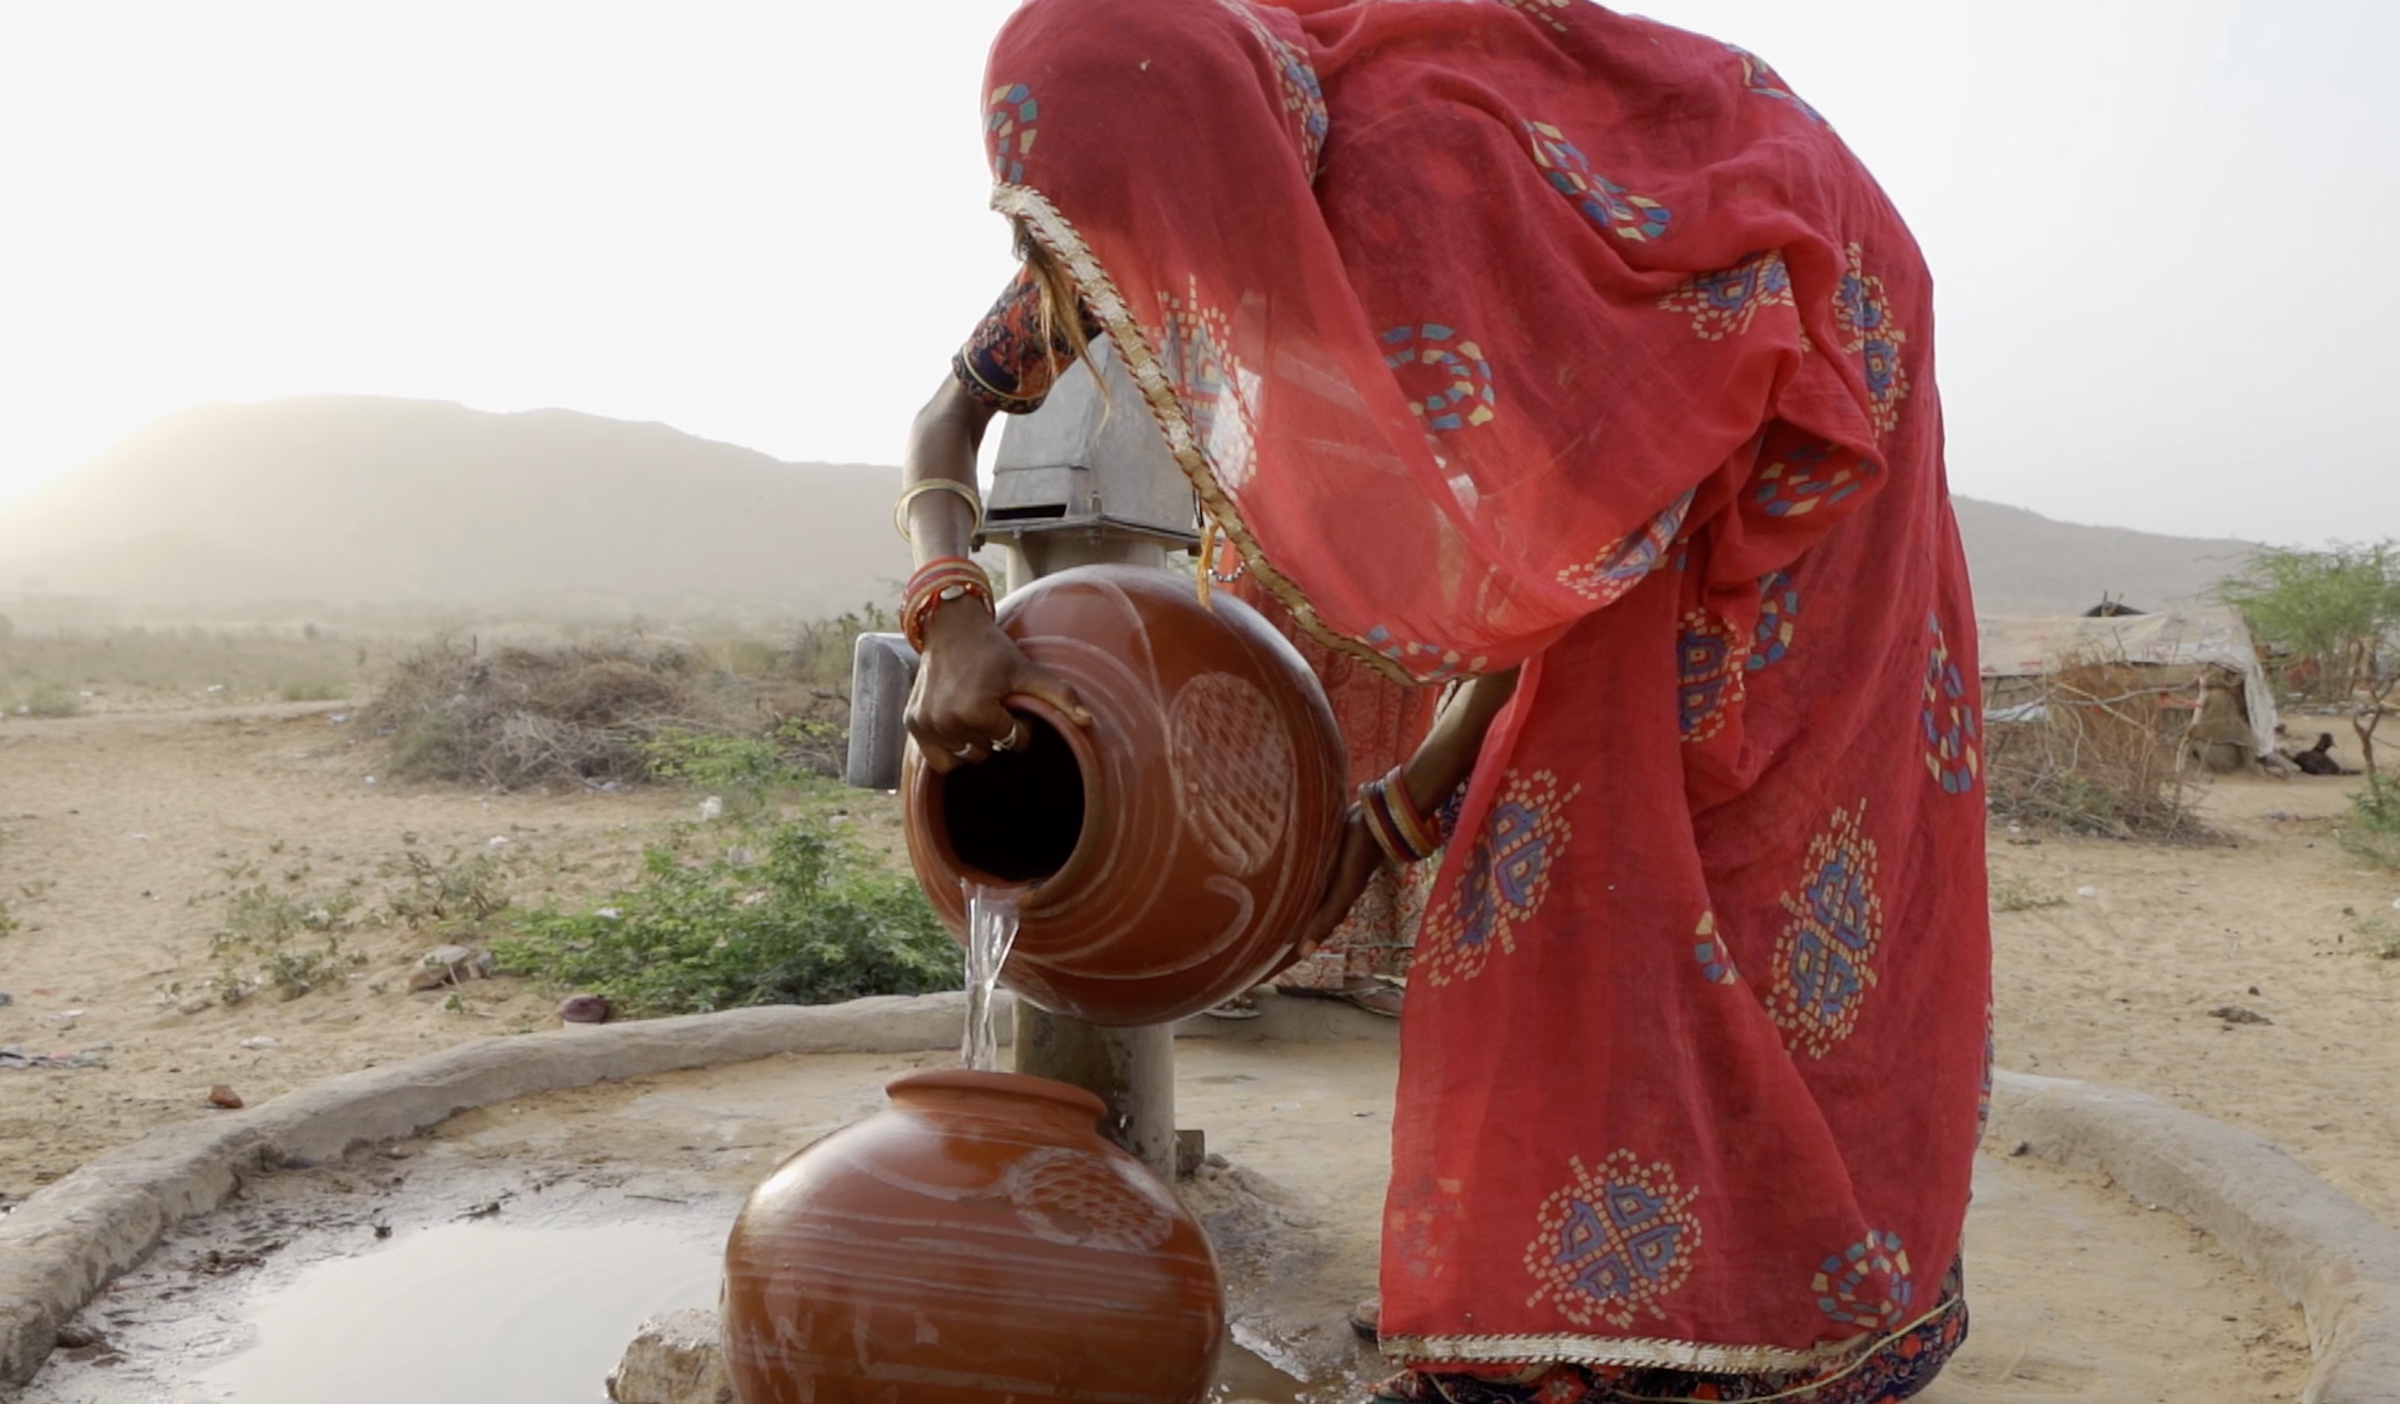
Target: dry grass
{"points": [[591, 712], [2097, 761], [59, 672]]}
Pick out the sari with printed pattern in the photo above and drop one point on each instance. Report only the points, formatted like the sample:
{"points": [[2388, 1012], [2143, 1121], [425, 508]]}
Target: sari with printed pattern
{"points": [[1519, 332]]}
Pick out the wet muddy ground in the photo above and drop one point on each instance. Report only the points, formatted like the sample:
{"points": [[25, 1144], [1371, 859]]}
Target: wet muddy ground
{"points": [[506, 1256]]}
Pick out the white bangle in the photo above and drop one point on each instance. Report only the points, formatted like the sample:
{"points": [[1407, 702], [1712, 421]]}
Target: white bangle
{"points": [[966, 493]]}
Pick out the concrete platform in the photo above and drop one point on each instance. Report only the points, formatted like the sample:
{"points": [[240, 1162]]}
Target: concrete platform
{"points": [[2079, 1292]]}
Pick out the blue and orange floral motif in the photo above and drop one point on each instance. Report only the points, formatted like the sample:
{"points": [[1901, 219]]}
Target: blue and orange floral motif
{"points": [[1603, 201], [1502, 882], [1628, 559], [1008, 125], [1724, 304], [1764, 81], [1447, 379], [1303, 96], [1615, 1242], [1869, 332], [1867, 1284], [1804, 480], [1778, 617], [1825, 958], [1427, 663], [1953, 751], [1709, 663], [1191, 343], [1716, 962]]}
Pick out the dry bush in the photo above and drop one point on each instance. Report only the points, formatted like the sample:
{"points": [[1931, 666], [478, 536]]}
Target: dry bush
{"points": [[590, 712], [2096, 759]]}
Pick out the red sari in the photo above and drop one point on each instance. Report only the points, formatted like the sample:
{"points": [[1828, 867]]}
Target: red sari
{"points": [[1501, 332]]}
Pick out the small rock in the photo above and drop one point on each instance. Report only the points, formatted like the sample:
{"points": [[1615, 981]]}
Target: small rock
{"points": [[75, 1335], [447, 965], [2237, 1014], [583, 1009], [2021, 1149], [262, 1041], [223, 1096], [711, 809], [673, 1359], [6, 999]]}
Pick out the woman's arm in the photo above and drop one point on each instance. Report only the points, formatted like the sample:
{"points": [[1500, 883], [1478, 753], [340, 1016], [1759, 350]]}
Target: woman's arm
{"points": [[1441, 764], [969, 667], [943, 443], [1446, 757]]}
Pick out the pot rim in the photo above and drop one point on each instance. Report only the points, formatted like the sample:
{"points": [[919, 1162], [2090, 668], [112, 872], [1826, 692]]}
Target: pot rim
{"points": [[1008, 1084], [1095, 809]]}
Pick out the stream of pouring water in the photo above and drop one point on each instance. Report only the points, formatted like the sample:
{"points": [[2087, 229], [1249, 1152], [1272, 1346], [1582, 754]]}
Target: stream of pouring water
{"points": [[991, 930]]}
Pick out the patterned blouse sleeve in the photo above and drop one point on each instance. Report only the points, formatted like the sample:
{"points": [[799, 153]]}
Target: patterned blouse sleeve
{"points": [[1004, 364]]}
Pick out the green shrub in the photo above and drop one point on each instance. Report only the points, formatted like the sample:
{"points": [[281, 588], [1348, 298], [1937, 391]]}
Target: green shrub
{"points": [[292, 943], [746, 770], [805, 921], [2018, 895], [454, 894], [2373, 832], [2378, 938]]}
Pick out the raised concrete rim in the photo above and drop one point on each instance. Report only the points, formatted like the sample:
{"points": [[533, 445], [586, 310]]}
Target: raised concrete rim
{"points": [[2315, 1245]]}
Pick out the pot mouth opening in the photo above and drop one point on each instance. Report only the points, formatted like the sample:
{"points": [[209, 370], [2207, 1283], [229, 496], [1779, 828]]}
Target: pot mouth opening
{"points": [[1018, 817]]}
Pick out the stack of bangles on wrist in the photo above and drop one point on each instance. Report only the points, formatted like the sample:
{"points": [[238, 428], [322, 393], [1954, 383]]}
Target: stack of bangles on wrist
{"points": [[1404, 835], [937, 583]]}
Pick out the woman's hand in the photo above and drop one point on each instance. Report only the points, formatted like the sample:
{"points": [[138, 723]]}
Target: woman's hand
{"points": [[1353, 867], [969, 671]]}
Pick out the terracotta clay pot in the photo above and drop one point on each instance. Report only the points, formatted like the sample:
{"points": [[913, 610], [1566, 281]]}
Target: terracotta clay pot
{"points": [[975, 1242], [1168, 852]]}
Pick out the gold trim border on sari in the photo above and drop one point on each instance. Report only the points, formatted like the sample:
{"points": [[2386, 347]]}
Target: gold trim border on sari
{"points": [[1108, 306]]}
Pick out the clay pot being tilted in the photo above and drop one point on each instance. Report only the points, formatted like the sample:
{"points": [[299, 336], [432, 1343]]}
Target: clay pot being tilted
{"points": [[975, 1242], [1169, 851]]}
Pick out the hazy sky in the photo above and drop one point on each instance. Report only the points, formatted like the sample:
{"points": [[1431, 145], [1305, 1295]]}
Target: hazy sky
{"points": [[2163, 230]]}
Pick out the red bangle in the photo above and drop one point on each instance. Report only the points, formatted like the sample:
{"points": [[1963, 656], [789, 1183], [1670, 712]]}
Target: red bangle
{"points": [[1392, 819], [936, 584], [1423, 834]]}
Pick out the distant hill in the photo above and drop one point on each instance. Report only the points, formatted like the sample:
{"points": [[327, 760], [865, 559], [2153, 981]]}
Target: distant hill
{"points": [[2024, 563], [352, 502], [352, 505]]}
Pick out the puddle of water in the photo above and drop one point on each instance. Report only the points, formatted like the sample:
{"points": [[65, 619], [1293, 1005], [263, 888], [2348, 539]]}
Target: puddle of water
{"points": [[467, 1313], [1242, 1376]]}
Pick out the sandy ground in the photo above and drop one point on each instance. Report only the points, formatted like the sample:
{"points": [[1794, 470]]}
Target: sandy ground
{"points": [[120, 835], [2118, 982]]}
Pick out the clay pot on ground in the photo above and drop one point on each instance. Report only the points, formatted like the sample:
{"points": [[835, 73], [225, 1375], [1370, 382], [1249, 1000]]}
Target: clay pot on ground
{"points": [[975, 1242], [1167, 854]]}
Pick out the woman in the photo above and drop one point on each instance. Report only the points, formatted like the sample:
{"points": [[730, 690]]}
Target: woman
{"points": [[1521, 342]]}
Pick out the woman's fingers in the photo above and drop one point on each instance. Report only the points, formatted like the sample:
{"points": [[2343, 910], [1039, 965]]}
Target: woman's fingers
{"points": [[1049, 688]]}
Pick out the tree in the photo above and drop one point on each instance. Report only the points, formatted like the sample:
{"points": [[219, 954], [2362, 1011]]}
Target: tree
{"points": [[2338, 608]]}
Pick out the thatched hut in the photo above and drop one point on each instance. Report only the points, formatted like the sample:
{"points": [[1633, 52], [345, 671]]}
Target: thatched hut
{"points": [[2191, 676]]}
